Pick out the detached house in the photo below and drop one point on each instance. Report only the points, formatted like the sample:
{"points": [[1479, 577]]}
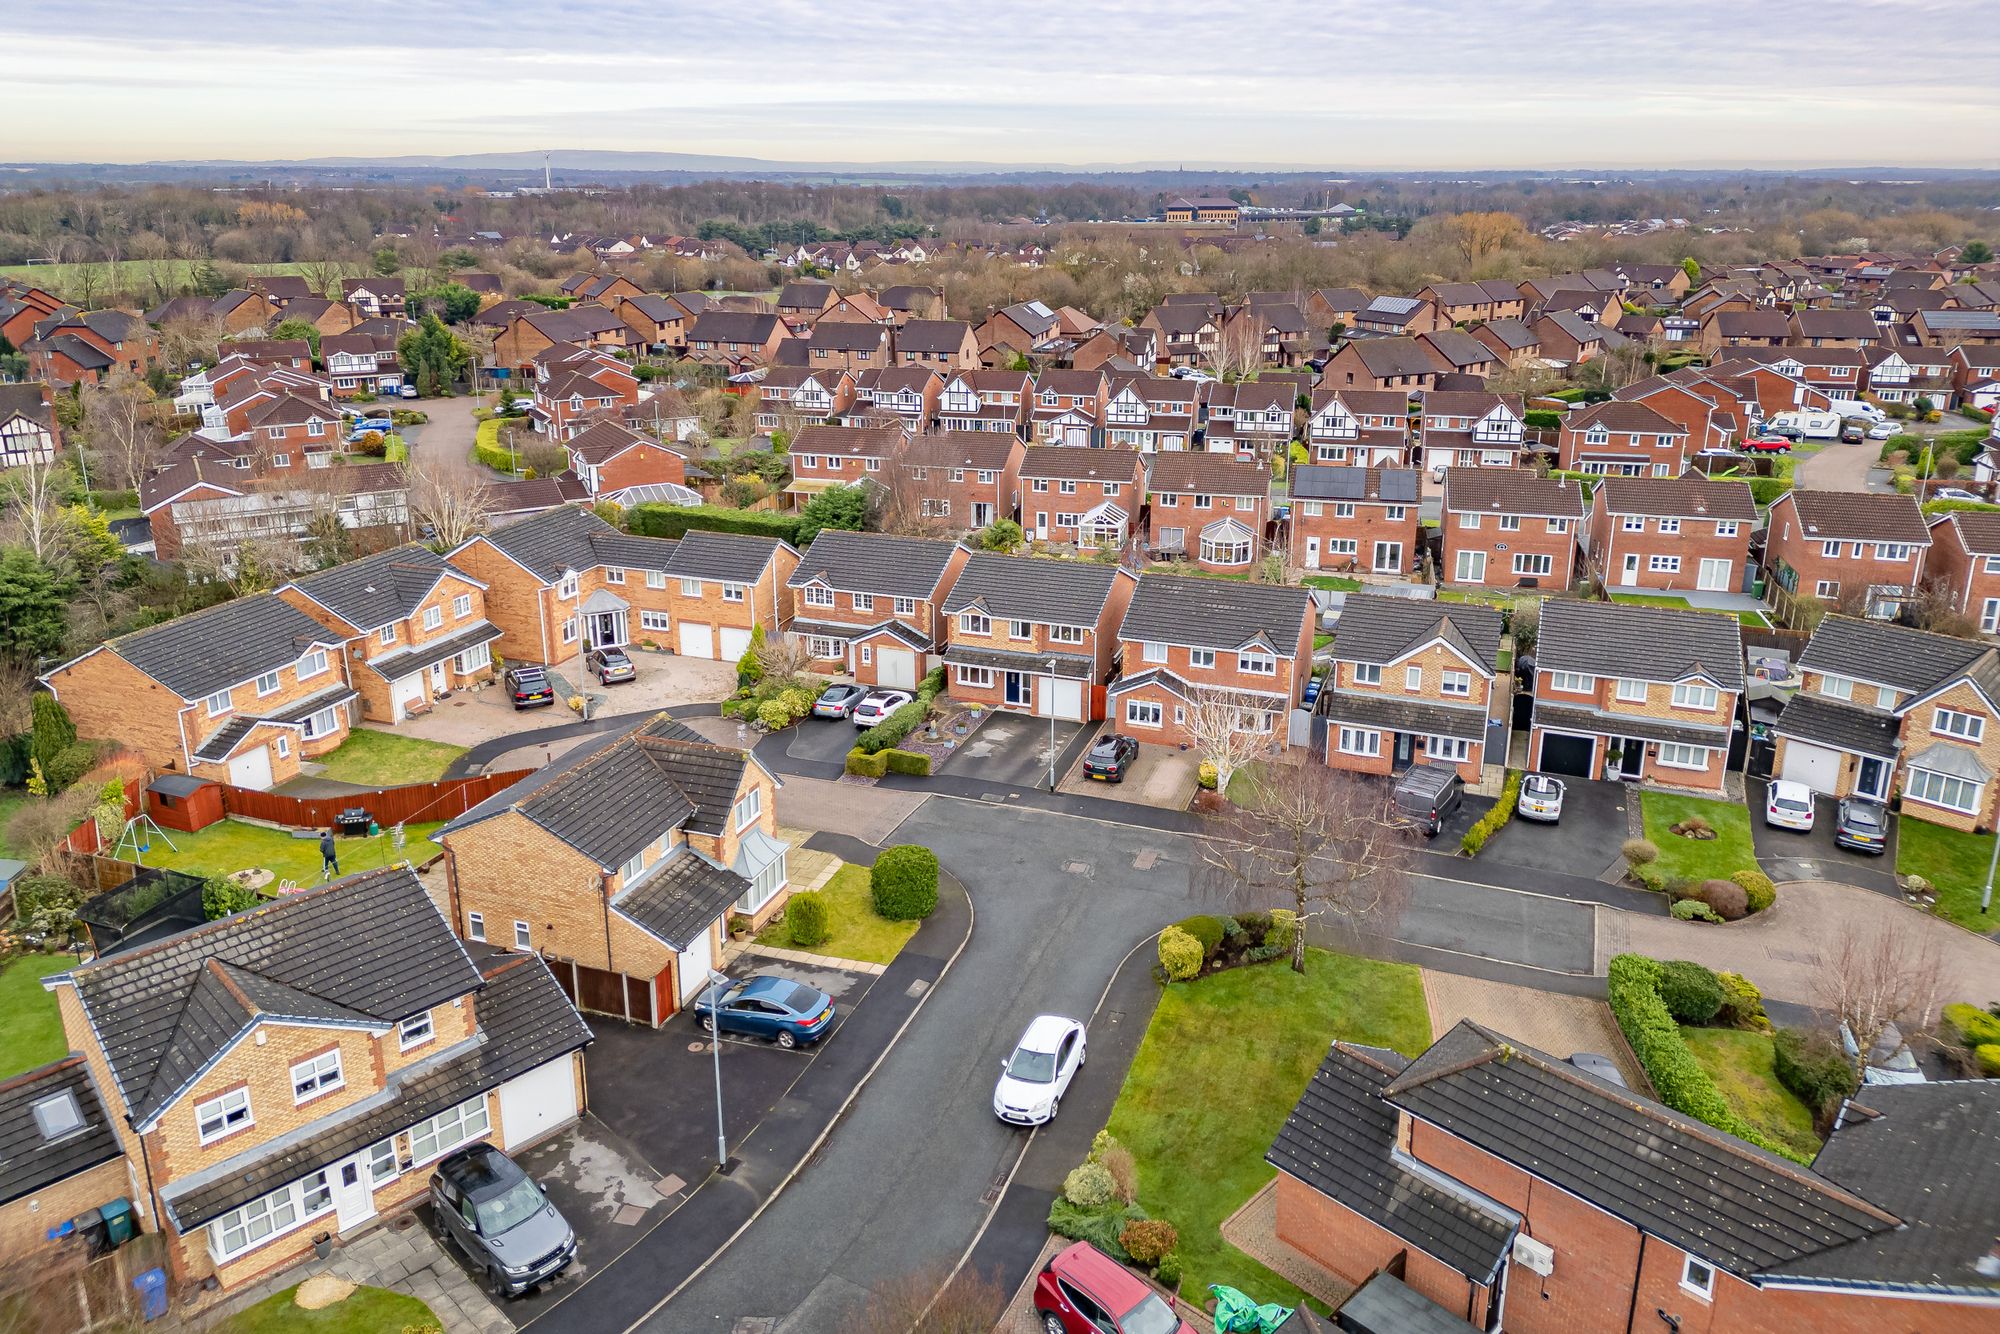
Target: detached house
{"points": [[239, 692], [735, 339], [563, 581], [802, 396], [848, 345], [1645, 694], [29, 432], [962, 480], [1068, 407], [824, 457], [1625, 439], [1859, 551], [985, 401], [375, 297], [1252, 418], [1187, 334], [1381, 363], [1189, 644], [1965, 560], [1415, 682], [873, 603], [1360, 426], [1508, 528], [1211, 508], [1512, 341], [1035, 636], [1354, 518], [618, 863], [1086, 497], [1472, 429], [1671, 533], [361, 364], [1567, 339], [940, 345], [1153, 416]]}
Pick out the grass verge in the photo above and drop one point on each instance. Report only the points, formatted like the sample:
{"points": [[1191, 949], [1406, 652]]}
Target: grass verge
{"points": [[1739, 1061], [385, 759], [363, 1311], [858, 932], [1955, 863], [1718, 858]]}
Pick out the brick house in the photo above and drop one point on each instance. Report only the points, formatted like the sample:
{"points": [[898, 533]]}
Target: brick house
{"points": [[1068, 407], [1020, 329], [361, 364], [294, 432], [29, 432], [1213, 509], [1381, 363], [1187, 334], [824, 457], [801, 302], [985, 401], [1390, 316], [658, 323], [802, 396], [1624, 439], [533, 331], [940, 345], [1033, 635], [1859, 551], [1964, 560], [98, 341], [288, 1074], [1187, 643], [1347, 518], [1700, 411], [1507, 528], [1360, 426], [1415, 682], [849, 345], [735, 339], [575, 387], [1671, 533], [962, 480], [627, 912], [1646, 694], [1832, 328], [606, 289], [1905, 374], [1153, 415], [1457, 352], [1514, 342], [1473, 303], [238, 692], [375, 297], [1086, 497], [1621, 1213], [1472, 429], [1568, 339], [65, 1158], [1252, 418], [874, 603], [412, 627], [1723, 328], [608, 459], [907, 393]]}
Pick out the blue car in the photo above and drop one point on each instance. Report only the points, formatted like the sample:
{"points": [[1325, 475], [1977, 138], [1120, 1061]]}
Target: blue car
{"points": [[789, 1013]]}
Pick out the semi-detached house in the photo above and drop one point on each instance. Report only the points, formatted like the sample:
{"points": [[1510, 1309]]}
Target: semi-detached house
{"points": [[1964, 561], [1360, 426], [1348, 519], [874, 603], [1033, 635], [1855, 550], [1189, 644]]}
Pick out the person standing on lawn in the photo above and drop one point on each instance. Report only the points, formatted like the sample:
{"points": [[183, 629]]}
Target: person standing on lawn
{"points": [[329, 856]]}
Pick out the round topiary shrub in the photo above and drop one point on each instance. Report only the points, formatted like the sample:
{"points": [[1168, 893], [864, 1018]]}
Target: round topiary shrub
{"points": [[1691, 993], [1206, 929], [1088, 1186], [1638, 852], [1757, 888], [904, 883], [1180, 954], [1727, 897], [1694, 910], [1742, 1002], [1146, 1240], [1205, 776], [1168, 1271], [806, 919]]}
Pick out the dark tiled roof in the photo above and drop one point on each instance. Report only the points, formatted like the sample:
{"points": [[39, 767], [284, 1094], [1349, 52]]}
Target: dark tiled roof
{"points": [[572, 538], [30, 1159], [1858, 516], [1010, 660], [1895, 655], [371, 946], [217, 745], [737, 558], [986, 451], [380, 589], [1216, 613], [1512, 334], [1510, 491], [1402, 714], [1386, 357], [1210, 474], [1324, 481], [847, 441], [392, 666], [1061, 463], [677, 902], [1644, 643], [733, 326], [1687, 497], [932, 336], [1623, 417], [1340, 1140], [25, 400], [1978, 530], [879, 563], [1380, 630], [1669, 1175], [604, 440], [1828, 722], [1023, 588], [1599, 722], [203, 652]]}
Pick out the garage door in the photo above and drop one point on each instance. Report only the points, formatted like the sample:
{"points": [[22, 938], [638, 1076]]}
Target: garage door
{"points": [[896, 667], [252, 768], [697, 641], [403, 693], [735, 643], [1566, 754], [1067, 700], [533, 1104], [1815, 766], [694, 964]]}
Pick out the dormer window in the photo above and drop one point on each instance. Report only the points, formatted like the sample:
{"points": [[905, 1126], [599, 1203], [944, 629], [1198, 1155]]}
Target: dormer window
{"points": [[567, 587], [975, 623]]}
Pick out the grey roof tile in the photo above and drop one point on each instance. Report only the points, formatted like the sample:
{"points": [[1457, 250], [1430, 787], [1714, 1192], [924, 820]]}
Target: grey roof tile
{"points": [[1027, 588], [1858, 516], [679, 901], [1827, 722], [30, 1159], [205, 651], [1510, 491], [1885, 654], [1216, 613], [878, 563], [377, 590], [572, 538], [1378, 629], [1643, 643], [1688, 497], [1422, 717], [738, 558]]}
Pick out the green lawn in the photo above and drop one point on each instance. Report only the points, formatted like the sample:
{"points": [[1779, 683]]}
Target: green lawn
{"points": [[1955, 863], [10, 802], [364, 1311], [1321, 641], [1718, 858], [136, 274], [1332, 583], [31, 1031], [1754, 619], [234, 845], [1222, 1063], [858, 932], [385, 759], [1739, 1061]]}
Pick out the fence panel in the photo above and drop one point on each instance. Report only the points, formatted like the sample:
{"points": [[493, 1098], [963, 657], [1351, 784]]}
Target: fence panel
{"points": [[419, 802]]}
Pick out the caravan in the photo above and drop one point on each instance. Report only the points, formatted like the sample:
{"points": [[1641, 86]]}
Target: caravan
{"points": [[1814, 425]]}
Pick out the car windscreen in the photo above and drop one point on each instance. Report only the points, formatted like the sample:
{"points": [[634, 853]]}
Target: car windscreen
{"points": [[1150, 1316], [1539, 787], [509, 1210], [1032, 1067]]}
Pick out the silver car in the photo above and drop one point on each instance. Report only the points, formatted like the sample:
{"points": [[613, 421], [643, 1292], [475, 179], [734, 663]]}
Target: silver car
{"points": [[483, 1203]]}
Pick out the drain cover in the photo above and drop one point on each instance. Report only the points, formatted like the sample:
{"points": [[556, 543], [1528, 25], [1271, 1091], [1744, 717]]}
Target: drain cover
{"points": [[669, 1186], [1145, 860], [916, 988], [629, 1215], [1083, 869]]}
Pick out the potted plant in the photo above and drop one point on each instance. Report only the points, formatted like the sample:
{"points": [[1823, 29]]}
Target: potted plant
{"points": [[739, 926], [1614, 759]]}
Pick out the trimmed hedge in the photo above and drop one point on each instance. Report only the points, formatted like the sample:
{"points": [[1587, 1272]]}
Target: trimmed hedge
{"points": [[913, 762], [1691, 993], [1542, 418], [806, 919], [1206, 929], [864, 765], [1765, 491], [1494, 820], [1816, 1071], [486, 447], [1988, 1059], [904, 883], [895, 727], [1742, 1002], [651, 519]]}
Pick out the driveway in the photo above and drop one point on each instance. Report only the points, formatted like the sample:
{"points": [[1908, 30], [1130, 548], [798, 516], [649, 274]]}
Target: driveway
{"points": [[1014, 749], [821, 740], [1787, 854], [1838, 467], [665, 680], [1162, 776], [1583, 844]]}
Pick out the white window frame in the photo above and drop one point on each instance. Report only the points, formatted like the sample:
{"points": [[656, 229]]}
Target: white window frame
{"points": [[1664, 564], [1201, 658], [1451, 749], [321, 1075], [732, 592], [975, 623], [461, 606], [321, 722], [1625, 690], [1681, 755], [1066, 634], [656, 578], [312, 664], [1144, 713], [567, 587], [1935, 789], [1365, 741], [978, 677], [1456, 684], [433, 618], [523, 936], [1152, 650], [817, 595], [1725, 527], [382, 1164], [655, 620], [1702, 1286], [386, 635], [475, 926], [1368, 673], [1413, 678], [449, 1129], [230, 1111], [614, 574], [269, 683], [284, 745], [690, 588], [1696, 695], [415, 1031], [1836, 687], [748, 807], [1257, 664], [905, 607], [1958, 725]]}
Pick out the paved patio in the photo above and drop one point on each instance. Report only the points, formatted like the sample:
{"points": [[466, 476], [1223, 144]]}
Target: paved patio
{"points": [[481, 714], [401, 1256]]}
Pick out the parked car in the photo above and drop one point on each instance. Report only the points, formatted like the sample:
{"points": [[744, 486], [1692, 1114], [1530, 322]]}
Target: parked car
{"points": [[363, 425], [1789, 806], [789, 1013], [407, 391], [1776, 427], [529, 687], [1955, 493], [838, 701], [1770, 443], [1426, 795], [1081, 1290], [879, 704], [1603, 1067], [1862, 824], [1853, 432], [1855, 410], [1541, 798], [1111, 758], [483, 1203], [1035, 1077], [610, 665], [1884, 430]]}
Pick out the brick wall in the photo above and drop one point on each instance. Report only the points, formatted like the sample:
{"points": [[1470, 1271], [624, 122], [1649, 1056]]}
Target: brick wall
{"points": [[108, 698], [1346, 1244], [25, 1222], [1368, 525], [1610, 544], [1501, 547]]}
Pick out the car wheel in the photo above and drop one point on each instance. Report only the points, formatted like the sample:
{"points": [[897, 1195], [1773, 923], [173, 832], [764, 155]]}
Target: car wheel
{"points": [[496, 1283], [708, 1023], [786, 1040], [1052, 1323], [1055, 1105]]}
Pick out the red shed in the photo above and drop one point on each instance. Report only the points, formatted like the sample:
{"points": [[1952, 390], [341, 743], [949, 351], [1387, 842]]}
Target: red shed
{"points": [[190, 805]]}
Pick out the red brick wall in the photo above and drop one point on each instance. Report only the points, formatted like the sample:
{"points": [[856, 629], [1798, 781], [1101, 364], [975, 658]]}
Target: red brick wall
{"points": [[1610, 544], [1533, 536], [1368, 525], [1347, 1244]]}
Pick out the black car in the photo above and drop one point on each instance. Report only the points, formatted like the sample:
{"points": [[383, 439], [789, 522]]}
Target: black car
{"points": [[529, 687], [1426, 795], [1111, 758], [483, 1203], [1853, 433], [1862, 825], [1791, 433]]}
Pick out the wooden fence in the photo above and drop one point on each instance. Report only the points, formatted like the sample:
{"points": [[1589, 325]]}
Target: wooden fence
{"points": [[417, 803]]}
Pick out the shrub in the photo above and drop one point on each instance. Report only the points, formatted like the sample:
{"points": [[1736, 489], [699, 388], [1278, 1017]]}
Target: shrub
{"points": [[1543, 419], [1742, 1002], [1638, 852], [39, 891], [1974, 1026], [1758, 891], [1206, 929], [750, 667], [1180, 954], [775, 715], [1256, 925], [1494, 820], [1206, 776], [1632, 988], [221, 896], [1727, 897], [1988, 1057], [1100, 1226], [895, 727], [907, 762], [1168, 1271], [1813, 1067], [1124, 1170], [71, 764], [861, 763], [806, 919], [1691, 993], [1147, 1239], [1692, 910], [1089, 1186], [905, 883], [649, 519], [1284, 928]]}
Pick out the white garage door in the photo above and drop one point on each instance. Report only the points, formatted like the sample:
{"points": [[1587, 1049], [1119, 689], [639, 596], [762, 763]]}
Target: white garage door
{"points": [[252, 768], [694, 966], [533, 1104], [735, 643], [403, 693], [697, 641], [897, 667], [1815, 766], [1067, 697]]}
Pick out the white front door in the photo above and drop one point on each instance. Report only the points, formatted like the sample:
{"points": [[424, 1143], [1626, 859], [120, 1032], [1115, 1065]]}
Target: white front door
{"points": [[404, 693], [252, 768], [1471, 568], [437, 676], [896, 667], [353, 1197], [696, 641], [1715, 574], [735, 642], [1630, 576], [1312, 553], [1066, 699], [694, 963], [1042, 525], [533, 1104]]}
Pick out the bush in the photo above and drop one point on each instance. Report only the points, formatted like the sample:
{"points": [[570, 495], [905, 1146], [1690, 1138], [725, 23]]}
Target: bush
{"points": [[1975, 1027], [1206, 776], [1758, 891], [1632, 988], [1206, 929], [1168, 1271], [1124, 1170], [1148, 1239], [1638, 852], [650, 519], [71, 764], [1727, 897], [1813, 1067], [913, 762], [1284, 928], [221, 896], [1988, 1057], [38, 891], [861, 763], [1494, 820], [905, 883], [1692, 910], [1180, 954], [487, 448], [1742, 1002], [1089, 1186], [895, 727], [1543, 419], [1100, 1226], [1256, 925], [1691, 993], [806, 919]]}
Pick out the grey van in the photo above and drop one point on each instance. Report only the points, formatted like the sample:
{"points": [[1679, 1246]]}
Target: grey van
{"points": [[1426, 795], [487, 1206]]}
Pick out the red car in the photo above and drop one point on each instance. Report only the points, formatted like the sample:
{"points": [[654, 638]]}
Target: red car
{"points": [[1768, 444], [1085, 1291]]}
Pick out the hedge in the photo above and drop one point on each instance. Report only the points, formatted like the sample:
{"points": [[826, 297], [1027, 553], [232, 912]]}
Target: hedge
{"points": [[861, 763], [895, 727], [1765, 491], [1816, 1071], [1543, 418], [1691, 993], [913, 762], [652, 519], [806, 919], [1206, 929], [904, 883], [1975, 1027], [486, 447], [1494, 820]]}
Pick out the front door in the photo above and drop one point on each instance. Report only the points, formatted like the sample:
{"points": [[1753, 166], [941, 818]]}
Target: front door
{"points": [[1630, 576], [1312, 553], [1872, 779], [353, 1198], [437, 677], [607, 629], [1406, 749], [1633, 762], [1042, 525], [1388, 557], [1715, 574], [1020, 691]]}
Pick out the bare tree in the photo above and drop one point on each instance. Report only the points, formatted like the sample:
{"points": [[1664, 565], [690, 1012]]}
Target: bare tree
{"points": [[190, 339], [784, 657], [1239, 343], [1316, 840], [34, 493], [121, 427], [1871, 978], [447, 503], [1221, 725], [917, 502], [932, 1301]]}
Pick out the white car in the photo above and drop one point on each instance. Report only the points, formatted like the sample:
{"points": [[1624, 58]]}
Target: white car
{"points": [[1034, 1079], [879, 705], [1884, 430], [1541, 798], [1955, 493], [1789, 806]]}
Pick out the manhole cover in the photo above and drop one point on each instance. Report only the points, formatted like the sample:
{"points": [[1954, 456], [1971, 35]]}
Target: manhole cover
{"points": [[697, 1046], [916, 988], [1079, 868], [629, 1215], [754, 1324], [994, 797], [1145, 860], [669, 1186]]}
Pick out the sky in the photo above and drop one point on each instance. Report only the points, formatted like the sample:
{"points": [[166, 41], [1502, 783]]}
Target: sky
{"points": [[1383, 84]]}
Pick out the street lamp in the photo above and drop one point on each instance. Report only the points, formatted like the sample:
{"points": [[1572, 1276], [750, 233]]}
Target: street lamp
{"points": [[1052, 724], [715, 981]]}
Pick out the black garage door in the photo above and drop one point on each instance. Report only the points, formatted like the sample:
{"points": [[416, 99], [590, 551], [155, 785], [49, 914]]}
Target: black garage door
{"points": [[1566, 754]]}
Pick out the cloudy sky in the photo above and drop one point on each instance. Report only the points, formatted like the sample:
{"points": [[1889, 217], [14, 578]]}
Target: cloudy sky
{"points": [[1318, 83]]}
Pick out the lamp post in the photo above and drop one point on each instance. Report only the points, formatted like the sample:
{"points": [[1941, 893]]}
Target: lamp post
{"points": [[1052, 724], [715, 981], [1986, 897]]}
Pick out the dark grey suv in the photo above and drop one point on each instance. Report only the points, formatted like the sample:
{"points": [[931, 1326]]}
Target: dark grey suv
{"points": [[486, 1205]]}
